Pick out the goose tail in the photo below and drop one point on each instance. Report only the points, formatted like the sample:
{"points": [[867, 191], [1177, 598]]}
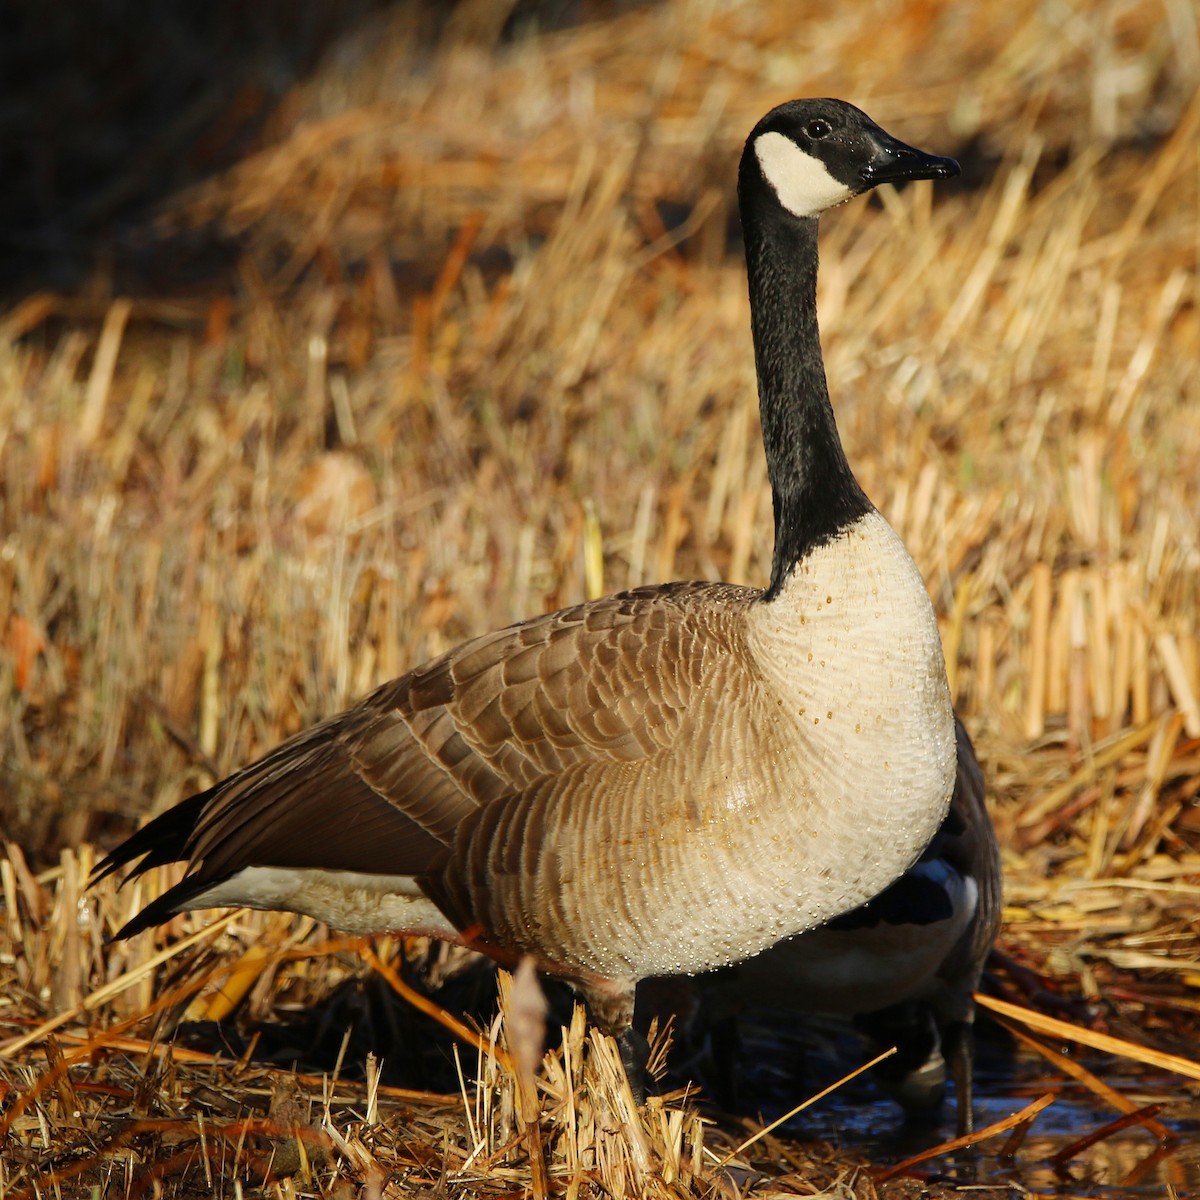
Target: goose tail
{"points": [[159, 842]]}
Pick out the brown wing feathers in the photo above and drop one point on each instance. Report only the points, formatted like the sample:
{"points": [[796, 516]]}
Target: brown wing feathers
{"points": [[388, 786]]}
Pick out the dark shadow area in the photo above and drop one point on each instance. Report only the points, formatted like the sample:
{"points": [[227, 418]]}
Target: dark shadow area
{"points": [[111, 105], [108, 107], [776, 1060], [762, 1063]]}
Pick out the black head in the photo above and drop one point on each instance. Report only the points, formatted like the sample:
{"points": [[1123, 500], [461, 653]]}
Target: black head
{"points": [[813, 154]]}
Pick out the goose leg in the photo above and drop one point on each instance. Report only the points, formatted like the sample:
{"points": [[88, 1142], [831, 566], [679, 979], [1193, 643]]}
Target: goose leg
{"points": [[635, 1054], [958, 1044], [610, 1003], [726, 1043]]}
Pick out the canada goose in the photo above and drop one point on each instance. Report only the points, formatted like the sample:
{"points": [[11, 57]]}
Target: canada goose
{"points": [[662, 781], [905, 964]]}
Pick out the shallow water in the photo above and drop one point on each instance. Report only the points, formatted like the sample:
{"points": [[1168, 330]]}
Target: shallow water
{"points": [[860, 1119]]}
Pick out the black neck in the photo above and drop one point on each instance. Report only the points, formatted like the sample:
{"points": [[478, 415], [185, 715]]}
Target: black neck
{"points": [[814, 491]]}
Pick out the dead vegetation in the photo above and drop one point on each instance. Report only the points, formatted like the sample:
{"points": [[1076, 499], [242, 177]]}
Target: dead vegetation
{"points": [[485, 352]]}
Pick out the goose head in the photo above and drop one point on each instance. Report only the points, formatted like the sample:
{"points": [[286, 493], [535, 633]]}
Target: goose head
{"points": [[811, 155]]}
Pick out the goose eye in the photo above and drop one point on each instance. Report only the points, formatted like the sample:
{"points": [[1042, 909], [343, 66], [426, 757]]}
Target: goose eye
{"points": [[818, 128]]}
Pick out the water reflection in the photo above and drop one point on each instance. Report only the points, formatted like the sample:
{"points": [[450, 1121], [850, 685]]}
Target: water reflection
{"points": [[775, 1054]]}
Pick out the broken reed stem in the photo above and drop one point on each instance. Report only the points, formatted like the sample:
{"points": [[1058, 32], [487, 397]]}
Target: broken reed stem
{"points": [[1087, 1037], [1077, 1071], [103, 366], [1024, 1117], [1143, 1116], [1100, 758], [427, 1006], [97, 1042], [787, 1116], [102, 995], [1039, 641]]}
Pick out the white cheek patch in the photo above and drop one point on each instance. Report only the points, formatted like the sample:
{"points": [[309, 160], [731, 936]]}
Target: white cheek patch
{"points": [[802, 183]]}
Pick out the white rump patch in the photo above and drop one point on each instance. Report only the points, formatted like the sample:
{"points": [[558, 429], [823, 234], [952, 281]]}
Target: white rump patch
{"points": [[347, 900], [802, 183]]}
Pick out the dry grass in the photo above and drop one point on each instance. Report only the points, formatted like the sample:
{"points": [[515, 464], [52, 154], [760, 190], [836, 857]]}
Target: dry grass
{"points": [[466, 372]]}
